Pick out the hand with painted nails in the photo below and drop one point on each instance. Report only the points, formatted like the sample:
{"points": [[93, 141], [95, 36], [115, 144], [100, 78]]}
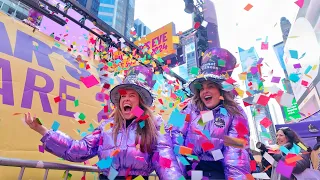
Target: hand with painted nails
{"points": [[34, 124]]}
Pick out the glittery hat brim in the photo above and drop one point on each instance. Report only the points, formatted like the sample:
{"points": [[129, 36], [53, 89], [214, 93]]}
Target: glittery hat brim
{"points": [[211, 77], [144, 93]]}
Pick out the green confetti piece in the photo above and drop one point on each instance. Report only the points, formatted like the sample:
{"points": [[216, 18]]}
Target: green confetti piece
{"points": [[76, 103], [201, 123], [265, 134], [91, 128], [171, 105], [109, 64], [39, 121], [160, 59], [82, 116], [56, 44], [194, 70], [193, 157], [221, 63]]}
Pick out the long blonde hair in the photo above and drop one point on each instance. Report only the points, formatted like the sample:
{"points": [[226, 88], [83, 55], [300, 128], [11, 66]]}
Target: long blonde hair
{"points": [[229, 101], [148, 133]]}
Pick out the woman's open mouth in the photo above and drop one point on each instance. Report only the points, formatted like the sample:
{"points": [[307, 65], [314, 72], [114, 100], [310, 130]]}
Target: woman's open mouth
{"points": [[127, 108], [207, 98]]}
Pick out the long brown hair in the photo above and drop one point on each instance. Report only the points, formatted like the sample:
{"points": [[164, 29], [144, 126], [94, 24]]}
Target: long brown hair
{"points": [[148, 133], [292, 136], [229, 101]]}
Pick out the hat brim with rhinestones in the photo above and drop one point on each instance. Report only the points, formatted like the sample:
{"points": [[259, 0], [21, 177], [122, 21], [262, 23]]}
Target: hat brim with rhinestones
{"points": [[132, 81]]}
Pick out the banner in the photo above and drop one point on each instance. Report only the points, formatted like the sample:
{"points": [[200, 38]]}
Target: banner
{"points": [[39, 75], [159, 42]]}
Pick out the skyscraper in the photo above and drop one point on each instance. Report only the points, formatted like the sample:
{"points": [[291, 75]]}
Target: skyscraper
{"points": [[141, 28], [119, 14], [249, 58], [91, 5]]}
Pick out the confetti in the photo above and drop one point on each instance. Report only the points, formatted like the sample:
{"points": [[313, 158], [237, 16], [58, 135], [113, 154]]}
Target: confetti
{"points": [[248, 7]]}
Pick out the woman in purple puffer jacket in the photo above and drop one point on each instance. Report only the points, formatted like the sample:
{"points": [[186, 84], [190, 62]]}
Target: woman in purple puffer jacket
{"points": [[126, 145], [214, 122]]}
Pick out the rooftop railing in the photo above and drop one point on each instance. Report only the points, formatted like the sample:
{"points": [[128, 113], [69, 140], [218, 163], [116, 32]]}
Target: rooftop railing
{"points": [[23, 164]]}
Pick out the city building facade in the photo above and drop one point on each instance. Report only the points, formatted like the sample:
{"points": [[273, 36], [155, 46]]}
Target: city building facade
{"points": [[259, 112], [119, 14], [91, 5], [141, 28], [14, 8]]}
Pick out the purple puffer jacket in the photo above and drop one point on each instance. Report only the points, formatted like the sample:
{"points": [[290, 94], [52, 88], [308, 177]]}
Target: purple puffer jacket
{"points": [[63, 146], [236, 161]]}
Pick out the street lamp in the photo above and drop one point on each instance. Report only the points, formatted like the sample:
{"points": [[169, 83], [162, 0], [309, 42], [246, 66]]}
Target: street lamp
{"points": [[189, 6]]}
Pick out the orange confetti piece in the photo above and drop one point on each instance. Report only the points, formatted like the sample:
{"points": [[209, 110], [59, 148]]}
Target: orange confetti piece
{"points": [[115, 152], [248, 7], [14, 114]]}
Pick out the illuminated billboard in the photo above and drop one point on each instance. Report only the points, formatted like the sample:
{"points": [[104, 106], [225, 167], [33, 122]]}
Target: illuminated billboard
{"points": [[159, 42]]}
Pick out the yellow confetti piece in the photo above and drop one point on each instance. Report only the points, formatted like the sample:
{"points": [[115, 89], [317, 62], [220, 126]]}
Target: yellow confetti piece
{"points": [[302, 146], [240, 92], [243, 76], [74, 43], [314, 67], [139, 178], [175, 39], [81, 65], [107, 127], [64, 96], [162, 130], [308, 76]]}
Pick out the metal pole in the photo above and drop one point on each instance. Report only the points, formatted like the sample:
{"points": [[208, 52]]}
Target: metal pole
{"points": [[46, 174], [21, 173], [67, 175]]}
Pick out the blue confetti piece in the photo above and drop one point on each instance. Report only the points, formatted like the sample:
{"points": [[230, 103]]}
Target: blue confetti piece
{"points": [[259, 39], [284, 150], [183, 161], [142, 124], [223, 111], [55, 126], [112, 174], [308, 69], [91, 128], [176, 149], [207, 133], [111, 81], [295, 149], [294, 77], [177, 119], [180, 139], [266, 41], [293, 54], [105, 163], [78, 131], [83, 134], [302, 56]]}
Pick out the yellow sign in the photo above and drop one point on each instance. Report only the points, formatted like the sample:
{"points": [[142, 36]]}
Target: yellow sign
{"points": [[159, 42], [38, 75]]}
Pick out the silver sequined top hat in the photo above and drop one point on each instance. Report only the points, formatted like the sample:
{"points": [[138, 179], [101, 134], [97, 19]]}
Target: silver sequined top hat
{"points": [[138, 78], [217, 64]]}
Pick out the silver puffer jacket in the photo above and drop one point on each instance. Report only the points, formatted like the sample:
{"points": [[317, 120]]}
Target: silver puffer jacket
{"points": [[101, 143], [236, 161]]}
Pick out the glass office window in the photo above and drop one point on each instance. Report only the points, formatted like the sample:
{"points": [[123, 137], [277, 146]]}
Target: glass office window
{"points": [[106, 9]]}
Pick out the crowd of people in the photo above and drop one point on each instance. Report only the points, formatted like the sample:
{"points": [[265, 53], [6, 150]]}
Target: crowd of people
{"points": [[135, 145]]}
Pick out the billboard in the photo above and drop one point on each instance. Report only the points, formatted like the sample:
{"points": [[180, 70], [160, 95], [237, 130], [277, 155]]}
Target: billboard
{"points": [[39, 75], [159, 42], [302, 58]]}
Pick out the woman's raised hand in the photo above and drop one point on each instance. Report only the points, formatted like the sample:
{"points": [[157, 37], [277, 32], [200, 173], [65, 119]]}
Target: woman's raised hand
{"points": [[34, 124]]}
